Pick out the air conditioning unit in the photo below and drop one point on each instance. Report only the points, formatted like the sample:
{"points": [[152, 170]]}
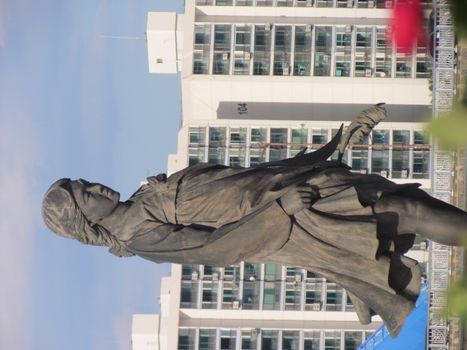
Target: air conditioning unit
{"points": [[225, 55], [285, 71], [316, 307], [215, 276], [348, 28], [247, 55], [268, 27], [364, 171], [405, 173], [235, 304], [308, 28], [384, 173], [255, 332], [368, 72], [371, 3], [298, 277], [194, 276], [423, 245]]}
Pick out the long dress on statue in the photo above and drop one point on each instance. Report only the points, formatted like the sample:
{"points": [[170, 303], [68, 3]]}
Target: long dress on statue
{"points": [[217, 215]]}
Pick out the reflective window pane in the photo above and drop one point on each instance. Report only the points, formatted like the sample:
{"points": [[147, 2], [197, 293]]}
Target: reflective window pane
{"points": [[302, 55], [186, 339], [282, 47], [323, 51], [262, 52]]}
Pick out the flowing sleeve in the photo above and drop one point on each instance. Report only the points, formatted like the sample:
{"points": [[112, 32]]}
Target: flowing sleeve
{"points": [[217, 195]]}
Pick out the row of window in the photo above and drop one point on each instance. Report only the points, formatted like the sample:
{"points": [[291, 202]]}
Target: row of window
{"points": [[268, 339], [304, 50], [390, 153], [382, 4], [253, 286]]}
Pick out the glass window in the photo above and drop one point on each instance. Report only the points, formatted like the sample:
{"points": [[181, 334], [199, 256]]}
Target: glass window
{"points": [[223, 2], [197, 136], [196, 155], [189, 297], [302, 55], [421, 156], [352, 340], [343, 51], [319, 137], [221, 59], [257, 156], [186, 339], [248, 340], [380, 161], [423, 62], [299, 140], [202, 47], [282, 47], [383, 65], [269, 340], [209, 296], [332, 340], [403, 65], [311, 340], [323, 51], [360, 159], [324, 3], [290, 340], [228, 339], [238, 136], [207, 339], [278, 149], [333, 297], [262, 52], [217, 136], [400, 154], [242, 57], [258, 134], [363, 52]]}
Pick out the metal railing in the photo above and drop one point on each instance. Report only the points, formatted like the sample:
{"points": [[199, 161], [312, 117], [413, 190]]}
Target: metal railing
{"points": [[444, 84]]}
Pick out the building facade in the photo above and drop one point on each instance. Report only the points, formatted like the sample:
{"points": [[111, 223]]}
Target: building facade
{"points": [[261, 79]]}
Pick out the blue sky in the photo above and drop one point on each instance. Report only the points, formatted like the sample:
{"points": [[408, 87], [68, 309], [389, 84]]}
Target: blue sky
{"points": [[75, 102]]}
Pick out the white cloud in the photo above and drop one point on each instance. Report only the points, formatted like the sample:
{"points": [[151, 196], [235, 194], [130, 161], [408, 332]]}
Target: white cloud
{"points": [[18, 213]]}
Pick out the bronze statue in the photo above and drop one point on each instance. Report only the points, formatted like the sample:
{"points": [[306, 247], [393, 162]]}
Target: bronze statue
{"points": [[304, 211]]}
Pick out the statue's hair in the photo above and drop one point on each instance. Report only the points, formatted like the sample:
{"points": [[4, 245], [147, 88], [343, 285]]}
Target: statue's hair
{"points": [[63, 216]]}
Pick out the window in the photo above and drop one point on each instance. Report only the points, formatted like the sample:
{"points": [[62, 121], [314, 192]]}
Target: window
{"points": [[332, 340], [290, 340], [228, 339], [207, 339], [323, 51], [311, 340], [269, 340], [282, 47], [302, 51], [186, 339], [262, 50], [352, 340]]}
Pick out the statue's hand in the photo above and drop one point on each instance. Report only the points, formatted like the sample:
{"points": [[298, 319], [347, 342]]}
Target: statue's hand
{"points": [[298, 198]]}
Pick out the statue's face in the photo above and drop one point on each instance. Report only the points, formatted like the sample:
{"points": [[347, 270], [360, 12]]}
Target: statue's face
{"points": [[95, 200]]}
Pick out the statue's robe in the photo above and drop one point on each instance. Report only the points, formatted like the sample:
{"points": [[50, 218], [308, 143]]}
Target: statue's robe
{"points": [[217, 215]]}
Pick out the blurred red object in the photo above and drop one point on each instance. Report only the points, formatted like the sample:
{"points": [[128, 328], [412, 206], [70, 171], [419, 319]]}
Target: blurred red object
{"points": [[407, 25]]}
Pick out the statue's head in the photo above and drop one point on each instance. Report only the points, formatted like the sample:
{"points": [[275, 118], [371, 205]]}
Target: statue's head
{"points": [[71, 208]]}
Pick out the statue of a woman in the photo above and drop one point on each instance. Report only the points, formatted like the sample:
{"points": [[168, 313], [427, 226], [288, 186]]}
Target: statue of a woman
{"points": [[305, 212]]}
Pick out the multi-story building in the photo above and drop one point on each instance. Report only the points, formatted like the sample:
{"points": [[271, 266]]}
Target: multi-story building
{"points": [[250, 306], [260, 81]]}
